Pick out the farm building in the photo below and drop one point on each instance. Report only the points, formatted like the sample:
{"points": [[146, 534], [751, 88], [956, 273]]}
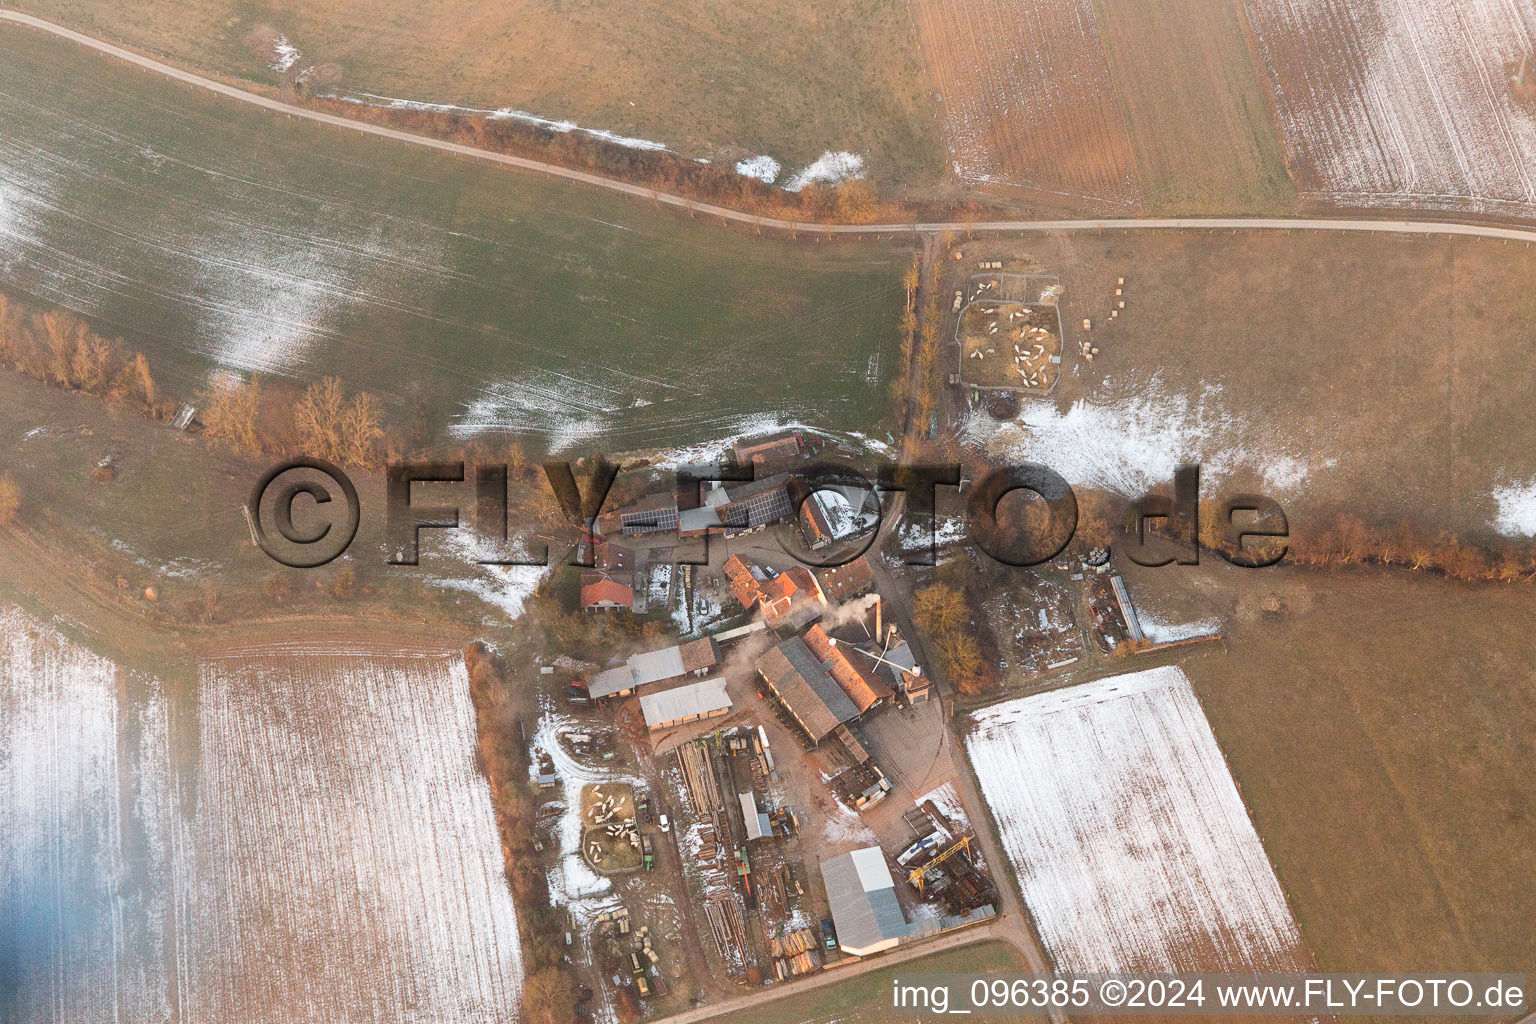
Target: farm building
{"points": [[610, 557], [757, 823], [842, 582], [770, 449], [695, 658], [601, 590], [653, 513], [855, 676], [865, 909], [682, 704], [811, 696], [792, 597], [733, 507], [815, 530]]}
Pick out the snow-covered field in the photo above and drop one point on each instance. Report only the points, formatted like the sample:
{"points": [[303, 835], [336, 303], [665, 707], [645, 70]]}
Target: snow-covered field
{"points": [[79, 939], [1132, 846], [348, 861], [1391, 103], [327, 852]]}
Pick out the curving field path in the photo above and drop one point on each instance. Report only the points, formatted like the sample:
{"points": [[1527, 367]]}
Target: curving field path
{"points": [[754, 220]]}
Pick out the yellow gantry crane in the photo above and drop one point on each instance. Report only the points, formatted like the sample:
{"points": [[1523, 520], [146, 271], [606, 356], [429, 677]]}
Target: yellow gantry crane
{"points": [[916, 877]]}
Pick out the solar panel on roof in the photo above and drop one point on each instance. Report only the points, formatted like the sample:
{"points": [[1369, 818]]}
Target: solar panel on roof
{"points": [[767, 508], [653, 520]]}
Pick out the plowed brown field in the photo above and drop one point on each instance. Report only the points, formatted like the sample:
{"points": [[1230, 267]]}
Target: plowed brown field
{"points": [[1028, 100]]}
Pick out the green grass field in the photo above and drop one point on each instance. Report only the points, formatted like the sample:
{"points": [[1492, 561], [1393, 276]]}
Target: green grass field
{"points": [[867, 997], [212, 237]]}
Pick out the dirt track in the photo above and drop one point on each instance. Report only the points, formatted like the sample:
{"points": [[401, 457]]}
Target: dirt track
{"points": [[772, 223]]}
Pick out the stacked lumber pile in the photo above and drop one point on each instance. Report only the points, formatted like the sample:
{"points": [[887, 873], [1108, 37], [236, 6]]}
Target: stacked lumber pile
{"points": [[792, 943], [698, 770], [727, 927]]}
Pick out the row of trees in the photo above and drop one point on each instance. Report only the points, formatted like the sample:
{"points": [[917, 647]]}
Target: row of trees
{"points": [[1321, 540], [322, 421], [857, 201], [549, 995], [61, 349], [1346, 540], [943, 612]]}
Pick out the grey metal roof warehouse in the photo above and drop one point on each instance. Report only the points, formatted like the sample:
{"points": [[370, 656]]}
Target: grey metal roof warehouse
{"points": [[685, 703], [865, 909], [759, 826], [655, 667]]}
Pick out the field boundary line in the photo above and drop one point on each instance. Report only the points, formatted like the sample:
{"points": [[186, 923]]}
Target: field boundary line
{"points": [[1401, 227]]}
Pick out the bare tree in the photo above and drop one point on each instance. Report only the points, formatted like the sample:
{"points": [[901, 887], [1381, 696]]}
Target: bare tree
{"points": [[549, 997], [319, 419]]}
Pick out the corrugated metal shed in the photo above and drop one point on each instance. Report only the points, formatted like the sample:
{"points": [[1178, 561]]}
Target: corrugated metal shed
{"points": [[758, 825], [865, 909], [614, 680], [685, 703]]}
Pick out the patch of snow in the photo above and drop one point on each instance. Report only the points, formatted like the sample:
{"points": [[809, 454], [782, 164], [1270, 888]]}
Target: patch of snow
{"points": [[764, 168], [947, 532], [506, 587], [505, 114], [1160, 631], [845, 826], [1132, 846], [717, 448], [284, 55], [1517, 509], [1288, 474], [948, 802], [1133, 444], [561, 409], [573, 884], [828, 169]]}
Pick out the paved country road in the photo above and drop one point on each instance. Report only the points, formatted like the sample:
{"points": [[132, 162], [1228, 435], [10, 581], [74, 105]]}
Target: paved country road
{"points": [[772, 223]]}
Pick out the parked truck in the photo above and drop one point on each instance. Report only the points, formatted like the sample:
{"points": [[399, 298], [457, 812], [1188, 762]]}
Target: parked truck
{"points": [[648, 852]]}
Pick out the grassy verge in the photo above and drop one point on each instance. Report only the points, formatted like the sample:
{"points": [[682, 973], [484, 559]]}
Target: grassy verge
{"points": [[867, 997]]}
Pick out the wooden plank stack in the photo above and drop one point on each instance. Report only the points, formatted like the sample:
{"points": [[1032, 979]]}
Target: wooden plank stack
{"points": [[693, 759], [792, 943]]}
